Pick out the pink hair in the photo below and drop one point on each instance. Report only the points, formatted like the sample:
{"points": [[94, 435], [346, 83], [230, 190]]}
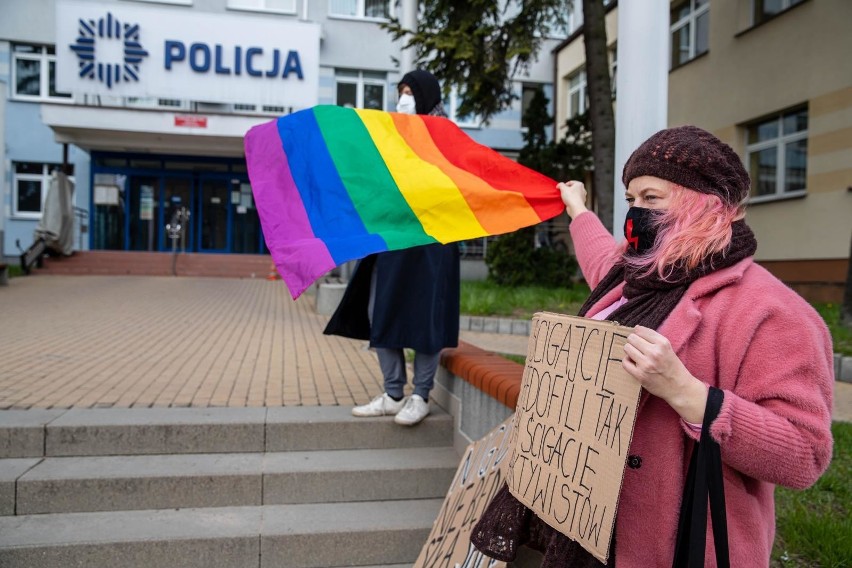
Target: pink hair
{"points": [[694, 226]]}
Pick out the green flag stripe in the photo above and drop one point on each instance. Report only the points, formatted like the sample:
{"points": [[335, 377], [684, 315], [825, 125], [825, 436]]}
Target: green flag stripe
{"points": [[371, 187]]}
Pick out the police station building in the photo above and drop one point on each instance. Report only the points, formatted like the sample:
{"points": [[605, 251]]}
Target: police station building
{"points": [[147, 102]]}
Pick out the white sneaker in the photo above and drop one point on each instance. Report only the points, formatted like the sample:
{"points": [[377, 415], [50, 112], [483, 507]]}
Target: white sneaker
{"points": [[415, 410], [382, 405]]}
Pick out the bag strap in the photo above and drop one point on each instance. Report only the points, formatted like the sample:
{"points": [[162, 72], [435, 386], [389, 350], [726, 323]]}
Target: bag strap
{"points": [[703, 478]]}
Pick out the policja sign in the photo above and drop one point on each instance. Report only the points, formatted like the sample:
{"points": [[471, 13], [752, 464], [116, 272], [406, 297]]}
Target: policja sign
{"points": [[171, 52]]}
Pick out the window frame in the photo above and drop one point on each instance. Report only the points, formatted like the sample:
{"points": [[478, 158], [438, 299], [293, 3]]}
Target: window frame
{"points": [[612, 53], [43, 178], [346, 76], [525, 87], [786, 5], [451, 105], [156, 103], [361, 10], [691, 20], [582, 88], [260, 110], [779, 143], [171, 2], [264, 8], [44, 59]]}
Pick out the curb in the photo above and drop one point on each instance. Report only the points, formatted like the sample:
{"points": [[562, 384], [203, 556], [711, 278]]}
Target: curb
{"points": [[512, 326], [486, 324], [842, 368]]}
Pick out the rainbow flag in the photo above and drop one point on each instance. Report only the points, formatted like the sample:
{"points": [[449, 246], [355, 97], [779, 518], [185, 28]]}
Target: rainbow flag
{"points": [[334, 184]]}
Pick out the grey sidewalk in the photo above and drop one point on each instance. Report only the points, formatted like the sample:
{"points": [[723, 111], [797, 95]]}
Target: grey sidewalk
{"points": [[116, 341]]}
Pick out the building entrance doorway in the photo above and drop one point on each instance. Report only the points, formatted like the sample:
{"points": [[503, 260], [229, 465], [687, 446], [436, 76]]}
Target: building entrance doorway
{"points": [[133, 199]]}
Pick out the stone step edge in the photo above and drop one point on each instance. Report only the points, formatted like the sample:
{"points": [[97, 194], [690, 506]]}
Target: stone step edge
{"points": [[40, 432], [297, 519], [266, 521], [88, 484]]}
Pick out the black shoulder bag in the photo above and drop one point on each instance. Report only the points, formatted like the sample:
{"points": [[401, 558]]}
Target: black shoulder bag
{"points": [[703, 478]]}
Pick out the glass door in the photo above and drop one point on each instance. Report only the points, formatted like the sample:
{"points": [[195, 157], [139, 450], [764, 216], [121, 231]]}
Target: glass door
{"points": [[215, 212], [109, 196], [246, 237], [144, 226], [177, 209]]}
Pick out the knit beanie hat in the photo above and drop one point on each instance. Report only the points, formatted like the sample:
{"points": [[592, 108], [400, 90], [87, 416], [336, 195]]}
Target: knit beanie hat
{"points": [[425, 88], [693, 158]]}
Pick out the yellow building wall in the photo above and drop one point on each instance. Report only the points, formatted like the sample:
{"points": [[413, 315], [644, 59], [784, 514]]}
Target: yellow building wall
{"points": [[800, 57], [569, 60]]}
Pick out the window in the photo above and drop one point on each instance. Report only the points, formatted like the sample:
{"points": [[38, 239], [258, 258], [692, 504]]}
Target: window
{"points": [[452, 102], [690, 29], [766, 9], [264, 109], [776, 155], [360, 89], [613, 68], [34, 73], [29, 188], [282, 6], [179, 2], [578, 94], [527, 94], [152, 102], [560, 30], [373, 9]]}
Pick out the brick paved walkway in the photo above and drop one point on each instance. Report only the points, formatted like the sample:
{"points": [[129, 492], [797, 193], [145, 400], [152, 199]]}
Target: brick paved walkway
{"points": [[142, 341], [114, 341]]}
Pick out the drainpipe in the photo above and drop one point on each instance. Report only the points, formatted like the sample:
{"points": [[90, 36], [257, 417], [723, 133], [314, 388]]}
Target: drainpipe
{"points": [[66, 168], [409, 21], [643, 45]]}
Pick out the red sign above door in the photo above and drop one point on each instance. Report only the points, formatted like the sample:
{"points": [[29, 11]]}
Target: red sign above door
{"points": [[191, 120]]}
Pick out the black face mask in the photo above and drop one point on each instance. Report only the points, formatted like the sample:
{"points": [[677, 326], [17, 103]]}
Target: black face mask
{"points": [[640, 228]]}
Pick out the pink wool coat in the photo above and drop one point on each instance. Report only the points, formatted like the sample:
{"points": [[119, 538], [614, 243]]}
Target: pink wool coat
{"points": [[743, 331]]}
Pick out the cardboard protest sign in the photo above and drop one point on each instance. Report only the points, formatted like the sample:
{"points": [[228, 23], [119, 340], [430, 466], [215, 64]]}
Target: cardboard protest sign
{"points": [[478, 478], [573, 426]]}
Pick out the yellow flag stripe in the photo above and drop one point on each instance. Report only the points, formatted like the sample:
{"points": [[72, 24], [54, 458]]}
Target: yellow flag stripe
{"points": [[432, 195]]}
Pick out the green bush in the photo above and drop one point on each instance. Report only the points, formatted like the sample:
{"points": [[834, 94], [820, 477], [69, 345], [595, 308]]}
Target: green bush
{"points": [[840, 334], [513, 260]]}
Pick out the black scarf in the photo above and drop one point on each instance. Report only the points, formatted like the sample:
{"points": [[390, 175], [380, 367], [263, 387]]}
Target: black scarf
{"points": [[507, 523], [650, 299]]}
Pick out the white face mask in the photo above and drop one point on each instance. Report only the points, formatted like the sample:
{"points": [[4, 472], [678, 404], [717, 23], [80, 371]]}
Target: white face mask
{"points": [[406, 105]]}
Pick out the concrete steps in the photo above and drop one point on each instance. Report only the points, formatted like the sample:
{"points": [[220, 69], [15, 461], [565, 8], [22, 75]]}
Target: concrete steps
{"points": [[63, 485], [299, 536], [302, 487]]}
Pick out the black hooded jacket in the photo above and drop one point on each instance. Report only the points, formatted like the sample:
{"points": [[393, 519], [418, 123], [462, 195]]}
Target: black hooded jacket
{"points": [[417, 289]]}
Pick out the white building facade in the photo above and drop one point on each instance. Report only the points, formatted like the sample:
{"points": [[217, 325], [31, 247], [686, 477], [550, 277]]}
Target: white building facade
{"points": [[148, 101]]}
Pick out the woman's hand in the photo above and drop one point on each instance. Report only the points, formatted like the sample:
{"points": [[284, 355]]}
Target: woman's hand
{"points": [[650, 359], [573, 196]]}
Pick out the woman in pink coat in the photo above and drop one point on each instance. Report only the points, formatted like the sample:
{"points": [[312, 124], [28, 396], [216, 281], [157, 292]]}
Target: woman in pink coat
{"points": [[705, 315]]}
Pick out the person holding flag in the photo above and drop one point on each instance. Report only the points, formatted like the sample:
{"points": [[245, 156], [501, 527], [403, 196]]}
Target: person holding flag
{"points": [[404, 298]]}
